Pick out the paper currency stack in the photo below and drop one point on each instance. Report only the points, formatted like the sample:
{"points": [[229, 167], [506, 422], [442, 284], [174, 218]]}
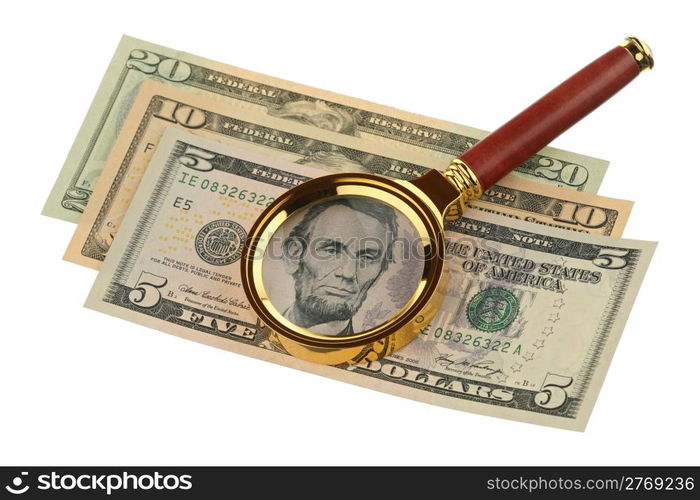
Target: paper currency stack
{"points": [[174, 144]]}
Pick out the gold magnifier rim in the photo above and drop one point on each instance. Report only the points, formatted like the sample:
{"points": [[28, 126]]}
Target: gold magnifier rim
{"points": [[402, 196]]}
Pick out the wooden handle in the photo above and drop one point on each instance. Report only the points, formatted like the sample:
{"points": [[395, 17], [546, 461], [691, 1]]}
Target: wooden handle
{"points": [[513, 143]]}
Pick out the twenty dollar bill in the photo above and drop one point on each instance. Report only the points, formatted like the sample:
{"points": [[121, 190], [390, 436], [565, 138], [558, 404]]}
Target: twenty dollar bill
{"points": [[136, 61], [528, 328]]}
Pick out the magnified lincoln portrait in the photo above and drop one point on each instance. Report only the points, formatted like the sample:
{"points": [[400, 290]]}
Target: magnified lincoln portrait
{"points": [[336, 253]]}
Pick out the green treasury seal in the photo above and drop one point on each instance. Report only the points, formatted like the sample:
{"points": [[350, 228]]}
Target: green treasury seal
{"points": [[220, 242], [492, 309]]}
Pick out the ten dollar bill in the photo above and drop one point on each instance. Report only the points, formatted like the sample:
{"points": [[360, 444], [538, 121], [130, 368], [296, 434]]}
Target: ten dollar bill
{"points": [[159, 106]]}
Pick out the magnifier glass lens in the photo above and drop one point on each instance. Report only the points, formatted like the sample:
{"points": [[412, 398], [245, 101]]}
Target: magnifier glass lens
{"points": [[343, 265]]}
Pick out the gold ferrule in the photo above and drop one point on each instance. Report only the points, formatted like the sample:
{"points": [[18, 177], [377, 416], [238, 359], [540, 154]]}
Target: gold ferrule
{"points": [[640, 51], [467, 183]]}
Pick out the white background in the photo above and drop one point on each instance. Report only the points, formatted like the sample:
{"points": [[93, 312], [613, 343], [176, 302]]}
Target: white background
{"points": [[79, 387]]}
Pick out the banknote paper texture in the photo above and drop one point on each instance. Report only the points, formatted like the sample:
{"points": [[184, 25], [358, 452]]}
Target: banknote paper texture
{"points": [[527, 331], [159, 106], [136, 61]]}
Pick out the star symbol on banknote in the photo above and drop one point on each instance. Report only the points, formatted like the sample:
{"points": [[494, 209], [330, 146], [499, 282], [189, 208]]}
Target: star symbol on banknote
{"points": [[539, 344], [516, 367], [554, 317], [528, 356], [558, 303], [547, 330]]}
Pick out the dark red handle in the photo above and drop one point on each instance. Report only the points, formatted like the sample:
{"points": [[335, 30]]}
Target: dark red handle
{"points": [[513, 143]]}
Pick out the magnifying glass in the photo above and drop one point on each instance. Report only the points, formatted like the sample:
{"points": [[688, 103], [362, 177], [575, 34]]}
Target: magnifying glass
{"points": [[347, 268]]}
